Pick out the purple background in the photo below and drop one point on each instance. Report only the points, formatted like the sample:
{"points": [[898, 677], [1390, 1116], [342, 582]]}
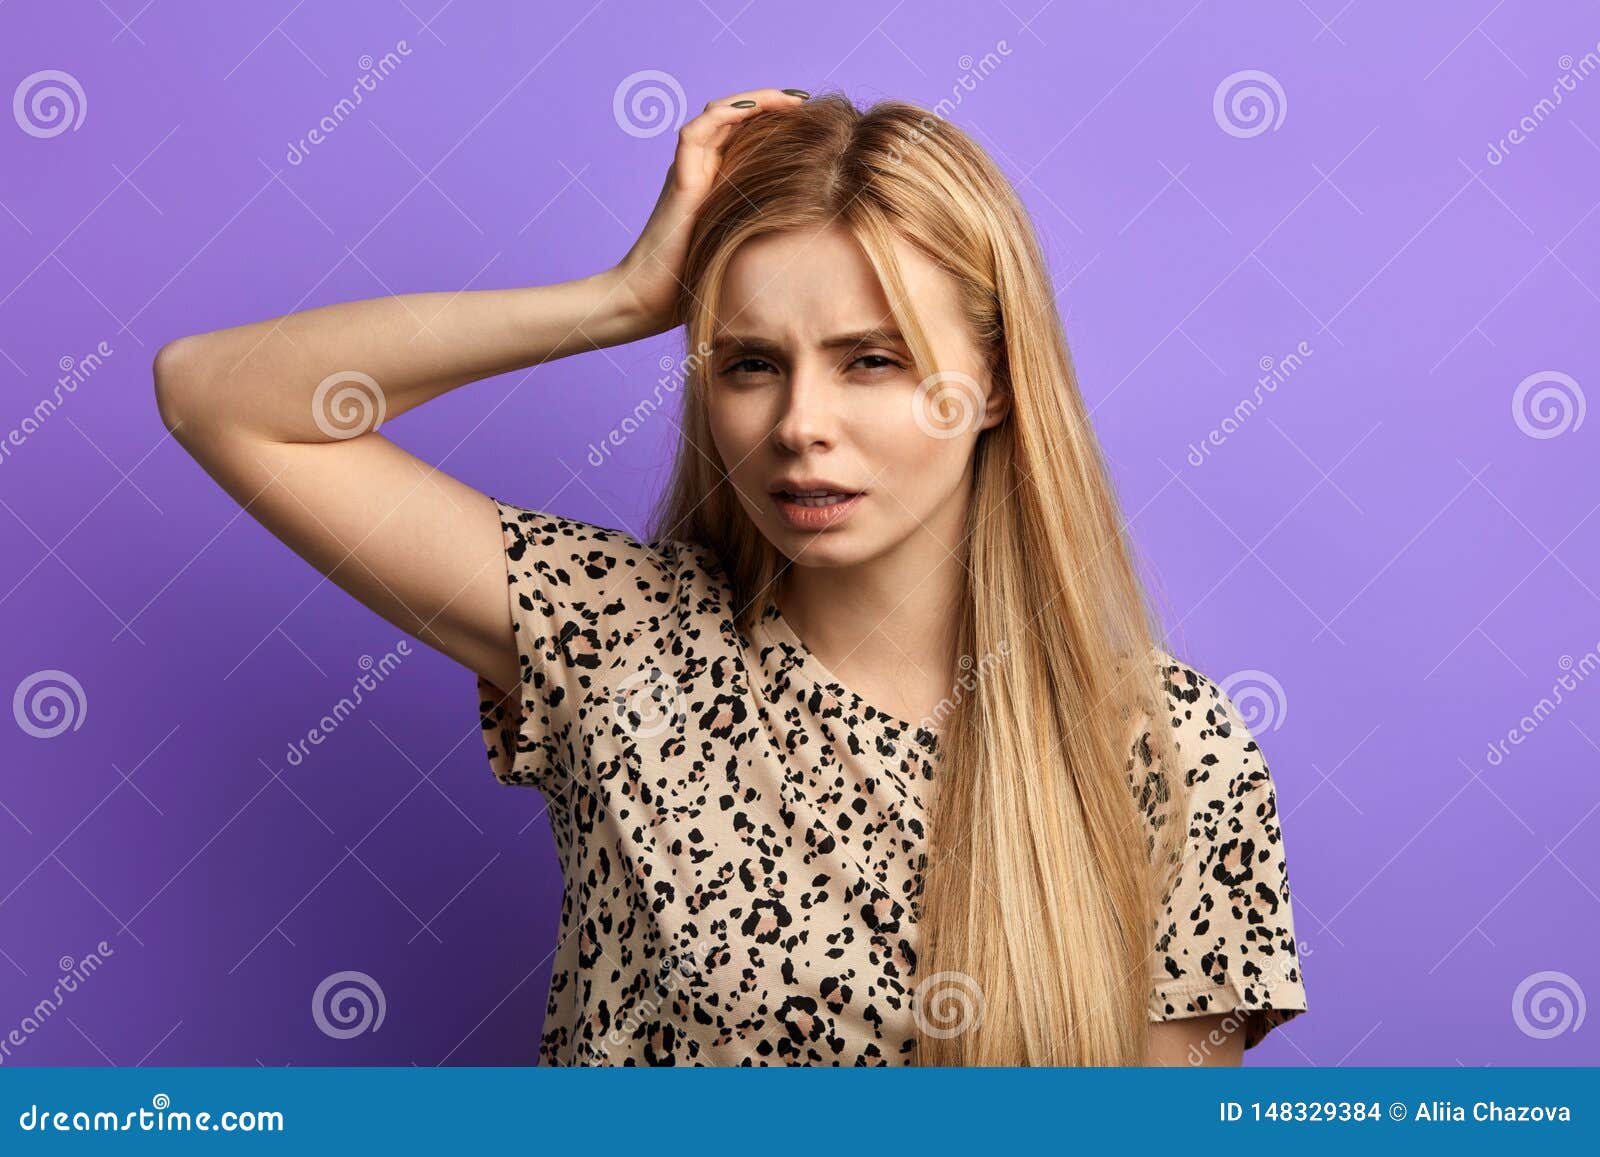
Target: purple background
{"points": [[1383, 538]]}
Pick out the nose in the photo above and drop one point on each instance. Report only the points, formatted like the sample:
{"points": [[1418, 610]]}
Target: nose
{"points": [[809, 413]]}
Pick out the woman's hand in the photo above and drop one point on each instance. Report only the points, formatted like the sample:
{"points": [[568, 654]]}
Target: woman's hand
{"points": [[648, 277]]}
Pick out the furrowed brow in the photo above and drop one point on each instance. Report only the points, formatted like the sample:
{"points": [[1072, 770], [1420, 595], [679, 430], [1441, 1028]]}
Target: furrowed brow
{"points": [[876, 336], [752, 344], [725, 344]]}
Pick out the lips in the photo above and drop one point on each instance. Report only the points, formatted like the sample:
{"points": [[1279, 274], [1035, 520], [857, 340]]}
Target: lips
{"points": [[812, 488], [827, 499], [816, 513]]}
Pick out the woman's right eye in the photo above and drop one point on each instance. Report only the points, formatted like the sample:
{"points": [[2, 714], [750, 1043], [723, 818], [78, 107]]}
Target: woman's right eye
{"points": [[738, 366]]}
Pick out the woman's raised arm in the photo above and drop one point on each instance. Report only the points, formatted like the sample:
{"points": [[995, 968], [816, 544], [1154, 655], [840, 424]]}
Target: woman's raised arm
{"points": [[283, 414]]}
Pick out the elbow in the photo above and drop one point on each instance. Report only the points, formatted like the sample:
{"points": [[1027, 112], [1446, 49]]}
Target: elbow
{"points": [[177, 372]]}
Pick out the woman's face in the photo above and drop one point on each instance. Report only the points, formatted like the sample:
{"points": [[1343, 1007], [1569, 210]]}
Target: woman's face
{"points": [[810, 384]]}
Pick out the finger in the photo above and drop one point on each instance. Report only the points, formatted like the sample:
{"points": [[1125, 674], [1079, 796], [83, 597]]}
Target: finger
{"points": [[720, 114], [701, 140], [766, 97]]}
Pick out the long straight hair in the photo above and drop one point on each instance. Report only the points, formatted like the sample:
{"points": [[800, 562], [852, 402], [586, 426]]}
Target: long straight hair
{"points": [[1048, 843]]}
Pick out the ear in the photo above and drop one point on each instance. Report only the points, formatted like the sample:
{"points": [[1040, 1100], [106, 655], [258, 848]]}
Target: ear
{"points": [[997, 401]]}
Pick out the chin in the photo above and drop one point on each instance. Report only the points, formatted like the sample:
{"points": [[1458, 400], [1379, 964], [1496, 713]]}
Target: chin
{"points": [[814, 550]]}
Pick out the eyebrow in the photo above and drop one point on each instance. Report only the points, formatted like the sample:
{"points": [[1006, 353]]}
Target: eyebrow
{"points": [[751, 343]]}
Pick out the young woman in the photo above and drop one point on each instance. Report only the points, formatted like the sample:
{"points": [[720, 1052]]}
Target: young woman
{"points": [[869, 754]]}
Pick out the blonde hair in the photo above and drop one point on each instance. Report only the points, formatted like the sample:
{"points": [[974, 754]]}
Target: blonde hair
{"points": [[1043, 873]]}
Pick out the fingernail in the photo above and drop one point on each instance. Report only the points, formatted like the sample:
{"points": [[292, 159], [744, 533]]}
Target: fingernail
{"points": [[744, 104], [799, 92]]}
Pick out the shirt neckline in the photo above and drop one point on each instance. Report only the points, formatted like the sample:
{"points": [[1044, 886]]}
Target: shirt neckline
{"points": [[775, 628]]}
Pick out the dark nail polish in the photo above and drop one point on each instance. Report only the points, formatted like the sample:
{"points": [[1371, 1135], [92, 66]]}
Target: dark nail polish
{"points": [[744, 104], [799, 92]]}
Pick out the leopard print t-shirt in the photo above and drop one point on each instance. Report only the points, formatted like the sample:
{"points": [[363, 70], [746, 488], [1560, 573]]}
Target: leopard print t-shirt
{"points": [[739, 833]]}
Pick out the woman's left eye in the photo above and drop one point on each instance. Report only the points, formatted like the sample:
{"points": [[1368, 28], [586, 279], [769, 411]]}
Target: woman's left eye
{"points": [[753, 365]]}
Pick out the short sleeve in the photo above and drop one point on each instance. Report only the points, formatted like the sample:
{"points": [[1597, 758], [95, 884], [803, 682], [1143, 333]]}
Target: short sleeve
{"points": [[583, 598], [1225, 935]]}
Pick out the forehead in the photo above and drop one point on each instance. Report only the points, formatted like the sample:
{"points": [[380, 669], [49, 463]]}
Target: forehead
{"points": [[805, 285]]}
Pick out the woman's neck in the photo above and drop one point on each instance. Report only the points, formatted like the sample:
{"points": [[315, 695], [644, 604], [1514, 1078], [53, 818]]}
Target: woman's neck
{"points": [[887, 629]]}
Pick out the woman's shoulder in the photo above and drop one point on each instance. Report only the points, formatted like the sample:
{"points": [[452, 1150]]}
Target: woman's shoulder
{"points": [[1220, 775], [1211, 731], [1226, 938], [601, 621], [605, 567]]}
